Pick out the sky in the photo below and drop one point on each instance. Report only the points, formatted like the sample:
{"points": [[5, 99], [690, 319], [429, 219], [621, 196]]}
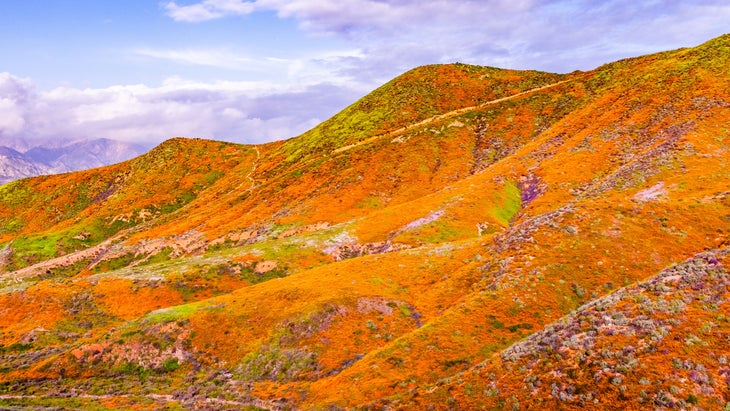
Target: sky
{"points": [[252, 71]]}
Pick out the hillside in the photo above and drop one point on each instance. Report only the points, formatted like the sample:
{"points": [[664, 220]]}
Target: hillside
{"points": [[462, 238], [662, 342]]}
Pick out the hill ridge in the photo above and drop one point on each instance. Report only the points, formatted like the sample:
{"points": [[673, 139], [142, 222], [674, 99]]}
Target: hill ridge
{"points": [[445, 116]]}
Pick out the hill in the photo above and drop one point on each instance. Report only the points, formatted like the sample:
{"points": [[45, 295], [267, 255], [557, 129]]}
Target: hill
{"points": [[464, 237]]}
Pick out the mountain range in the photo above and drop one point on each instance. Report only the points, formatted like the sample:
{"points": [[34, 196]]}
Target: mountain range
{"points": [[463, 237], [17, 160]]}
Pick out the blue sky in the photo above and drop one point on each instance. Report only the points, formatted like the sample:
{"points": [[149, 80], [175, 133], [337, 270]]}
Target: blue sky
{"points": [[97, 43], [258, 70]]}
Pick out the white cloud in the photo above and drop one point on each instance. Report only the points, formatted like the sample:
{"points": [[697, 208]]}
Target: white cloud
{"points": [[344, 15], [307, 69], [213, 58], [235, 111], [208, 10], [11, 117], [14, 93]]}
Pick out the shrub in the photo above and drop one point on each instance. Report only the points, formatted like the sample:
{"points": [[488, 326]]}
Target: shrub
{"points": [[170, 365]]}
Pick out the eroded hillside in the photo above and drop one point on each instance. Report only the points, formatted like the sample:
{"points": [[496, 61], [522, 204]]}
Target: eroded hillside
{"points": [[463, 237]]}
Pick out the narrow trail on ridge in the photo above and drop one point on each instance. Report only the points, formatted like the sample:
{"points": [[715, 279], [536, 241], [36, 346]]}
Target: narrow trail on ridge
{"points": [[300, 165], [249, 176], [447, 115], [233, 192], [230, 193]]}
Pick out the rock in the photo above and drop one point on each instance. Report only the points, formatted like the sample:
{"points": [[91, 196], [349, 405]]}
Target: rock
{"points": [[32, 335], [83, 236], [265, 266], [484, 228], [654, 193]]}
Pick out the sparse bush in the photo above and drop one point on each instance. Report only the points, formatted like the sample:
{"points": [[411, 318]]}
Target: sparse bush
{"points": [[370, 325], [170, 365]]}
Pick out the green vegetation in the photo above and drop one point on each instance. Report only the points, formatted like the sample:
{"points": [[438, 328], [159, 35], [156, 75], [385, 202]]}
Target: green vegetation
{"points": [[32, 249], [175, 313], [170, 365], [114, 263], [441, 231], [16, 347], [274, 363], [511, 204]]}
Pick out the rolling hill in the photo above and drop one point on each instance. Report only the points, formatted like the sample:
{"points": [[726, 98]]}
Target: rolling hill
{"points": [[463, 237]]}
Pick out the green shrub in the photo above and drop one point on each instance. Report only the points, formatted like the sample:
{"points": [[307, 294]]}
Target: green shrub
{"points": [[170, 365]]}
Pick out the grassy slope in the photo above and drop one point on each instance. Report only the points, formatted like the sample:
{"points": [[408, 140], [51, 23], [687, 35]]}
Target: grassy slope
{"points": [[582, 156]]}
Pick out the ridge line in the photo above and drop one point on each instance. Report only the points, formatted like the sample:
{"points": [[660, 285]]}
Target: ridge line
{"points": [[446, 115]]}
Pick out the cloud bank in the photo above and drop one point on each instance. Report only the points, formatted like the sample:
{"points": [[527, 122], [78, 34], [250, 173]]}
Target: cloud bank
{"points": [[232, 111]]}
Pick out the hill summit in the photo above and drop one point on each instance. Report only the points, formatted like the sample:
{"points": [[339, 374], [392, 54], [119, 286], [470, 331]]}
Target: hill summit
{"points": [[463, 237]]}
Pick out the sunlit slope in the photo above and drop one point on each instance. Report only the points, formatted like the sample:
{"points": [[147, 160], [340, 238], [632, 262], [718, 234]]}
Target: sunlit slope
{"points": [[55, 215], [412, 97], [423, 262]]}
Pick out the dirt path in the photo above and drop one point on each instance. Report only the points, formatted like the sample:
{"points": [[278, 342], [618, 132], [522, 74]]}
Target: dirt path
{"points": [[163, 398], [67, 260], [249, 176], [450, 114]]}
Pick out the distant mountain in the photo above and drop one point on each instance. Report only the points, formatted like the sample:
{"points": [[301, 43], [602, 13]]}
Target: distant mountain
{"points": [[51, 158], [15, 165]]}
